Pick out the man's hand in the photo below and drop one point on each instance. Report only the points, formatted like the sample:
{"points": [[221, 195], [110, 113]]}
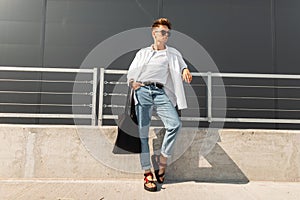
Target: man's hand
{"points": [[136, 85], [187, 76]]}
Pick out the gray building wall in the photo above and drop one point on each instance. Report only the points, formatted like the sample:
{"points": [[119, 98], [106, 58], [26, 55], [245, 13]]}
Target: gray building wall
{"points": [[258, 36]]}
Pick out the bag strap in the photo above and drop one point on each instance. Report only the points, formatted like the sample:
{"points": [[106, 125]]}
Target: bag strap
{"points": [[128, 100], [130, 106]]}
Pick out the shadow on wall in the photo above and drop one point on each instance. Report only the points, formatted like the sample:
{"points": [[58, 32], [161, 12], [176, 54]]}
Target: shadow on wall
{"points": [[204, 160]]}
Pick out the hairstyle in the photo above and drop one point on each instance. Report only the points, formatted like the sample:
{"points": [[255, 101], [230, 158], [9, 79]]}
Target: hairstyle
{"points": [[162, 21]]}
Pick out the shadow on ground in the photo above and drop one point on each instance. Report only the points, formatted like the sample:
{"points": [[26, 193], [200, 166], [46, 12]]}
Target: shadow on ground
{"points": [[203, 161]]}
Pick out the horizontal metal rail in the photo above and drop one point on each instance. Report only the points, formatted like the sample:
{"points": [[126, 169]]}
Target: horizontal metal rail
{"points": [[248, 75], [37, 69], [36, 115], [258, 120], [50, 93], [44, 81]]}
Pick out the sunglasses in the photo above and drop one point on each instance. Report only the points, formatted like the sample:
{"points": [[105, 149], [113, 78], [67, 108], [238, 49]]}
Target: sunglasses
{"points": [[163, 33]]}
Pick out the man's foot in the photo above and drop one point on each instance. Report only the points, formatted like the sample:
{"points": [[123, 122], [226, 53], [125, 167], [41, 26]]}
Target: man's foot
{"points": [[160, 173], [149, 183]]}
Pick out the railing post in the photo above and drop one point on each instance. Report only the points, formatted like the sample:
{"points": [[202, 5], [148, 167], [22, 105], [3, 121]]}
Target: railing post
{"points": [[209, 96], [101, 88], [94, 97]]}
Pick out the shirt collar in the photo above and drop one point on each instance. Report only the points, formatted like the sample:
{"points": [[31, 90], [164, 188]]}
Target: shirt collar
{"points": [[152, 50]]}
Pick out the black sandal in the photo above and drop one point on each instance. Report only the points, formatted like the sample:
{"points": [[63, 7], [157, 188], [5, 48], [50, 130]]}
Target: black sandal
{"points": [[160, 177], [146, 181]]}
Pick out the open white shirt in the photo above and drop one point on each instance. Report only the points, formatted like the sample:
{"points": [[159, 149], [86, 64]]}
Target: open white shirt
{"points": [[174, 84]]}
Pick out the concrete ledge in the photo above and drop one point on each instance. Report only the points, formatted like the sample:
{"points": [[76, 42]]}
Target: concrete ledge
{"points": [[242, 155], [83, 152]]}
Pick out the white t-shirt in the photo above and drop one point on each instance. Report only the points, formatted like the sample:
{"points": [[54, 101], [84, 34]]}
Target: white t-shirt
{"points": [[156, 70]]}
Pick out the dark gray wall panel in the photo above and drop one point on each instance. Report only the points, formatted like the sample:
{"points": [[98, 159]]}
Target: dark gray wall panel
{"points": [[237, 34], [20, 32], [21, 23], [287, 35], [287, 56], [74, 28]]}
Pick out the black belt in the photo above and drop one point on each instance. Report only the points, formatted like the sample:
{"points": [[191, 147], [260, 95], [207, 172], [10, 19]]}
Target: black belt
{"points": [[156, 84]]}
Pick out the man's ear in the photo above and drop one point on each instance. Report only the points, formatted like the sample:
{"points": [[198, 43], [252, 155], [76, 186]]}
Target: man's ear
{"points": [[153, 34]]}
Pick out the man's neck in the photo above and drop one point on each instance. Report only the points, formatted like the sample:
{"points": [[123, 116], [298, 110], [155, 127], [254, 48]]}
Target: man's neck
{"points": [[157, 46]]}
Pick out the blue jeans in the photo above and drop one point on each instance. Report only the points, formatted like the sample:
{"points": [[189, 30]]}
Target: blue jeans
{"points": [[149, 97]]}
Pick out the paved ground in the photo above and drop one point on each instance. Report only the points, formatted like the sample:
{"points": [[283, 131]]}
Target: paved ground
{"points": [[133, 189]]}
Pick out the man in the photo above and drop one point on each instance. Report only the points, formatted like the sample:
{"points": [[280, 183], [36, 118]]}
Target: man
{"points": [[156, 75]]}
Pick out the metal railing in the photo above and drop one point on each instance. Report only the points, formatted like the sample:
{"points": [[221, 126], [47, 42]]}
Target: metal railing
{"points": [[47, 93], [25, 93], [249, 98], [281, 97]]}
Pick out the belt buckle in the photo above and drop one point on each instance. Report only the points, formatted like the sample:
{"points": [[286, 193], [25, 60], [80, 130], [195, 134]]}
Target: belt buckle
{"points": [[158, 85]]}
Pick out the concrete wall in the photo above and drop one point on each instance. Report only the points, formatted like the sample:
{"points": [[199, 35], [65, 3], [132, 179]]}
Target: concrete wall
{"points": [[71, 152]]}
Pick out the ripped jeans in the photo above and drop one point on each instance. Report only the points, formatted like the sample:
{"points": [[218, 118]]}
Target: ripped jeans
{"points": [[149, 97]]}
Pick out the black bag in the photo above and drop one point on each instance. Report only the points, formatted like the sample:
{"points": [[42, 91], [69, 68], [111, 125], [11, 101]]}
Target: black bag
{"points": [[128, 140]]}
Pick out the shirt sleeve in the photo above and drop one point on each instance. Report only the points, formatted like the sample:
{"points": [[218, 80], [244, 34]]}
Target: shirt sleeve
{"points": [[133, 66], [182, 63]]}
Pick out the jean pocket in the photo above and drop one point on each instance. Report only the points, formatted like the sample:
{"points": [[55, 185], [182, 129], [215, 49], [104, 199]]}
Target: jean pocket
{"points": [[137, 89]]}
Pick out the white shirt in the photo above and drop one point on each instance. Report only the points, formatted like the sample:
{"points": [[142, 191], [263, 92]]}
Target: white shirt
{"points": [[156, 70]]}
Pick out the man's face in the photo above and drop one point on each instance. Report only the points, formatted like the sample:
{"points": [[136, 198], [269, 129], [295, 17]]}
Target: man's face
{"points": [[161, 34]]}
